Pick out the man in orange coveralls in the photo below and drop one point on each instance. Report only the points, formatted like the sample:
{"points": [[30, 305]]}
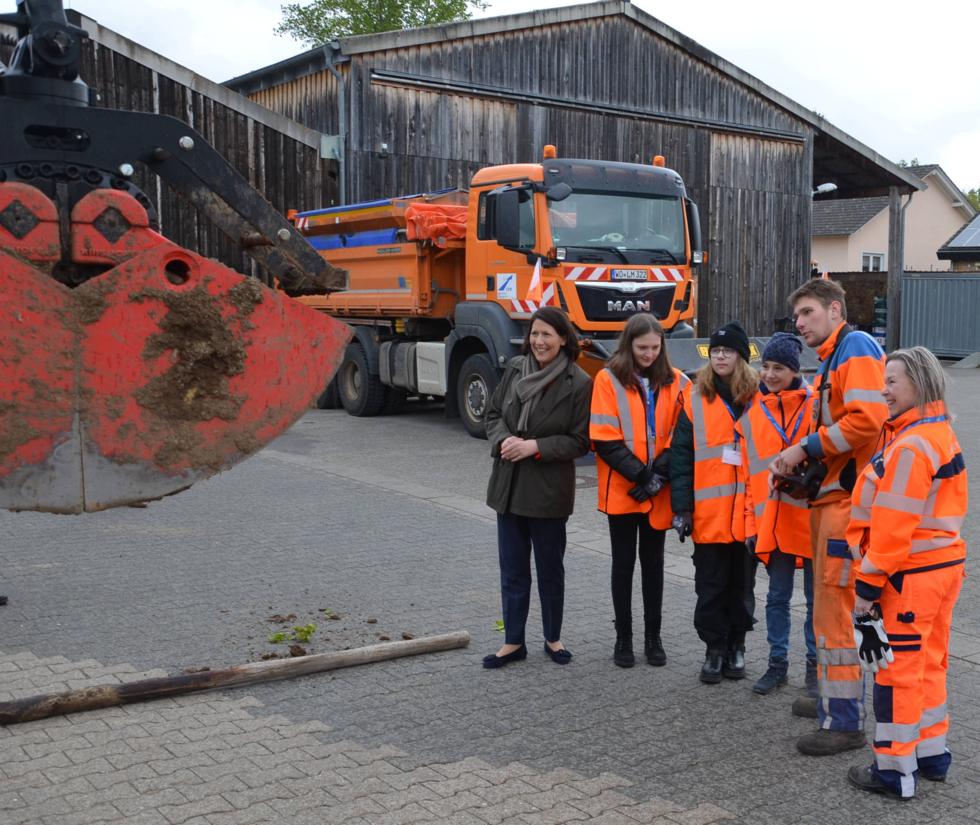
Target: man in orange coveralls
{"points": [[847, 421]]}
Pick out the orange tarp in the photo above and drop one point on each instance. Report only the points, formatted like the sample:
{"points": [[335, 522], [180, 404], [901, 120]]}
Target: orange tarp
{"points": [[435, 222]]}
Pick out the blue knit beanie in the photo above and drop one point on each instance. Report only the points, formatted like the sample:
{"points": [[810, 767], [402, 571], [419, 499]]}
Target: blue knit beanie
{"points": [[784, 348]]}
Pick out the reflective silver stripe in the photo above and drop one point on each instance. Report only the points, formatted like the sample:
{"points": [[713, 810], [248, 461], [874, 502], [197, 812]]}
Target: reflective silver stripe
{"points": [[931, 498], [867, 396], [903, 504], [894, 732], [860, 513], [700, 433], [625, 417], [786, 498], [837, 439], [760, 509], [925, 447], [825, 416], [476, 296], [828, 488], [836, 657], [903, 764], [841, 689], [753, 452], [722, 491], [707, 453], [938, 543], [684, 380], [951, 524], [931, 746], [855, 552], [903, 472], [933, 716], [605, 420], [845, 572]]}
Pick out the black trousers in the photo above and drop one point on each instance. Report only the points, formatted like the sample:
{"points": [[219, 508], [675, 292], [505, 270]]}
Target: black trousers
{"points": [[623, 530], [724, 578], [516, 536]]}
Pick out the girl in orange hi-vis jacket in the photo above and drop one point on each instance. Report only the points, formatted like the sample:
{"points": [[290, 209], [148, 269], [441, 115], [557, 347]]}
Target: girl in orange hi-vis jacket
{"points": [[635, 402], [906, 512], [707, 494], [777, 526]]}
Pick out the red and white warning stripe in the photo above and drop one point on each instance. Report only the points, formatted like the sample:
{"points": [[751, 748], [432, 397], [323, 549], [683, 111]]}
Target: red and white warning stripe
{"points": [[549, 298], [302, 223], [523, 307], [587, 273], [666, 275]]}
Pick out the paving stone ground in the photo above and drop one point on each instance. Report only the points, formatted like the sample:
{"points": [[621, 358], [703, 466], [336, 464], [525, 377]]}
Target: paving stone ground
{"points": [[384, 519]]}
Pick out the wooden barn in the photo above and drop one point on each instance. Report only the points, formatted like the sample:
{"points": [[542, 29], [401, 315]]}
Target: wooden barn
{"points": [[423, 109]]}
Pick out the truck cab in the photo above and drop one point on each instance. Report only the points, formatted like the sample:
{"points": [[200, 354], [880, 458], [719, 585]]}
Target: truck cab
{"points": [[441, 283]]}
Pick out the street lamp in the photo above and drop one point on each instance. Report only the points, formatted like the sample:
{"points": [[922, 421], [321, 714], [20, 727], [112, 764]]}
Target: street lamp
{"points": [[823, 189]]}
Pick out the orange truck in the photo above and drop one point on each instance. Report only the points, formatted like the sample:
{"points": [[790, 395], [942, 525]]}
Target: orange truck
{"points": [[440, 284]]}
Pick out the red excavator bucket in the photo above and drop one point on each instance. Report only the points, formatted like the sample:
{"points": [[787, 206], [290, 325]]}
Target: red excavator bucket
{"points": [[163, 370]]}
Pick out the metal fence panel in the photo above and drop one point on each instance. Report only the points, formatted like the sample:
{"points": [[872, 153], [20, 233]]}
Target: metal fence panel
{"points": [[941, 311]]}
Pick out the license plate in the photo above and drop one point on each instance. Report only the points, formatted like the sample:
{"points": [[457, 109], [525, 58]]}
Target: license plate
{"points": [[629, 274]]}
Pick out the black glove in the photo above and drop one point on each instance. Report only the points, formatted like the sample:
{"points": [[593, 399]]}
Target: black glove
{"points": [[661, 464], [683, 523], [750, 543], [643, 492], [871, 641]]}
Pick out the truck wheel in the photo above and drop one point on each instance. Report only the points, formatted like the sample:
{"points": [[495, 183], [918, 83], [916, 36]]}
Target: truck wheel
{"points": [[330, 398], [478, 379], [394, 402], [361, 393]]}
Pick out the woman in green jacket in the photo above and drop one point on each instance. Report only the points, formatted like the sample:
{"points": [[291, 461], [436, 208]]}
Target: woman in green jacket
{"points": [[537, 425]]}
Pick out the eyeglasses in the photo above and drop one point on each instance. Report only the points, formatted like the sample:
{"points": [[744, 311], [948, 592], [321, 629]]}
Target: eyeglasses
{"points": [[722, 352]]}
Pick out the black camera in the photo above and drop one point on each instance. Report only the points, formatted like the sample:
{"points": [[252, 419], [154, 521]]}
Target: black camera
{"points": [[804, 483]]}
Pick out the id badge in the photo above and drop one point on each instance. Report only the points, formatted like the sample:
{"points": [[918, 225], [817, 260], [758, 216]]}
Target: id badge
{"points": [[731, 456]]}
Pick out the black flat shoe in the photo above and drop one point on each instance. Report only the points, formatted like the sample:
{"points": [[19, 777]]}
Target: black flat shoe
{"points": [[559, 657], [493, 660]]}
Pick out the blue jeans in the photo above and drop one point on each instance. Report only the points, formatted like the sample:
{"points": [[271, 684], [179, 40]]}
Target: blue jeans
{"points": [[781, 569]]}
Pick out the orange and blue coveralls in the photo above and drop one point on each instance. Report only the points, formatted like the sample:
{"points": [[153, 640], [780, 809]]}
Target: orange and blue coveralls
{"points": [[906, 513], [622, 414], [847, 420]]}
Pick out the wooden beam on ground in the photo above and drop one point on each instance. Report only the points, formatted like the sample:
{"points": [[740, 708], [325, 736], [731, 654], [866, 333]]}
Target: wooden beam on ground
{"points": [[105, 696]]}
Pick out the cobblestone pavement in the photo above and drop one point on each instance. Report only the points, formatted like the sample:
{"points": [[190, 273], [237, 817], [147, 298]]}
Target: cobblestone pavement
{"points": [[383, 519]]}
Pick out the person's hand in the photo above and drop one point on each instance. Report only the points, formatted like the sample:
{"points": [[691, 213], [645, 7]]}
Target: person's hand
{"points": [[517, 449], [786, 461], [683, 523], [643, 492], [862, 606], [750, 543]]}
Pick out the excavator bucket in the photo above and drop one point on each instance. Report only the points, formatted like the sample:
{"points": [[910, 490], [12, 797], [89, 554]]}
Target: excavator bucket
{"points": [[161, 371]]}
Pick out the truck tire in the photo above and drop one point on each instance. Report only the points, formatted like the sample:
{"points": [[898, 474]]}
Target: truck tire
{"points": [[478, 378], [330, 398], [361, 393], [394, 402]]}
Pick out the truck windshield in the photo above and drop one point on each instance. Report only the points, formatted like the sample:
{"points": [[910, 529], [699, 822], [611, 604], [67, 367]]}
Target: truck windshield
{"points": [[589, 219]]}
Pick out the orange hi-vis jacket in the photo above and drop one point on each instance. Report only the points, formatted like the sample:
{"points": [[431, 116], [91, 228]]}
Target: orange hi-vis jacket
{"points": [[621, 414], [780, 521], [719, 486], [909, 503], [850, 411]]}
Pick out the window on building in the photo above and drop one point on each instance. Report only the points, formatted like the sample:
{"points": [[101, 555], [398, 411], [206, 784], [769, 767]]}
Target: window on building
{"points": [[872, 261]]}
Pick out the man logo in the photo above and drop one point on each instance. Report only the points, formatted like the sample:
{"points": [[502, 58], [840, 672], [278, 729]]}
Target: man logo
{"points": [[627, 306]]}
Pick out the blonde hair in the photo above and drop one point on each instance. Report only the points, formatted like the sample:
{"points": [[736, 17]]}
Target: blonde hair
{"points": [[743, 383], [926, 374]]}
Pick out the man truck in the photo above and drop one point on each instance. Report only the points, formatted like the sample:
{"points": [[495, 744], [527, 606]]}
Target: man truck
{"points": [[441, 292]]}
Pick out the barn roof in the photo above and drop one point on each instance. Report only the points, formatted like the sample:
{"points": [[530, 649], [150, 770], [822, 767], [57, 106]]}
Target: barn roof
{"points": [[845, 217], [856, 169]]}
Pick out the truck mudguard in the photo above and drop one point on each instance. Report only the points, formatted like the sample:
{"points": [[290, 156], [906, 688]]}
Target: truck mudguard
{"points": [[489, 322]]}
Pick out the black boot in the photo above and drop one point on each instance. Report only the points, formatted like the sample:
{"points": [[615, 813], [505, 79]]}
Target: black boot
{"points": [[653, 647], [775, 676], [734, 667], [812, 690], [623, 652], [713, 662]]}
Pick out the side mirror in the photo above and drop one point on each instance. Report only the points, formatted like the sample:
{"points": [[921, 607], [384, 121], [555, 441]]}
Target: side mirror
{"points": [[698, 255], [504, 214], [558, 192]]}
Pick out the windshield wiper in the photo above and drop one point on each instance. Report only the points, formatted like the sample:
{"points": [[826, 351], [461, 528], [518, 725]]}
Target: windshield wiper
{"points": [[622, 254], [673, 258]]}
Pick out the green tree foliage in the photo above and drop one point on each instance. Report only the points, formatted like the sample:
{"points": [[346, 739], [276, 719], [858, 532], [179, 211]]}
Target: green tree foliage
{"points": [[904, 164], [973, 196], [321, 21]]}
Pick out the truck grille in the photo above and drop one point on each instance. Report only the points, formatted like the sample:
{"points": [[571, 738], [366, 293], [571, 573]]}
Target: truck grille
{"points": [[604, 304]]}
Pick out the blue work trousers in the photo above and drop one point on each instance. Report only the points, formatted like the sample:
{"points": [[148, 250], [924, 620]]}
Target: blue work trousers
{"points": [[517, 536]]}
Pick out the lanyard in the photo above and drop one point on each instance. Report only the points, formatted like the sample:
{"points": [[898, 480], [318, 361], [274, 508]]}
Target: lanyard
{"points": [[878, 459], [731, 412], [652, 393], [782, 433]]}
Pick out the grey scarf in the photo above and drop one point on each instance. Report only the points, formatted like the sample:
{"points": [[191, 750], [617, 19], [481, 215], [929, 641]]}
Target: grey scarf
{"points": [[533, 383]]}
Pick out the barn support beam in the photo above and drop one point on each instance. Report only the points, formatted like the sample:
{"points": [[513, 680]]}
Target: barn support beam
{"points": [[895, 249]]}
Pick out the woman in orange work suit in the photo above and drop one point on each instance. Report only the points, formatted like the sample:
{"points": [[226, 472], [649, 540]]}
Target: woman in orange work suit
{"points": [[906, 512], [635, 402], [707, 493]]}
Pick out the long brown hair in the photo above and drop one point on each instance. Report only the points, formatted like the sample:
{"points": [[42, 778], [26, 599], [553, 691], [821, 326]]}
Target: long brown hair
{"points": [[743, 383], [623, 365]]}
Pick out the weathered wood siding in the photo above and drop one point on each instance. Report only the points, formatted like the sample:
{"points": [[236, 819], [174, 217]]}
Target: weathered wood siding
{"points": [[605, 88], [288, 173]]}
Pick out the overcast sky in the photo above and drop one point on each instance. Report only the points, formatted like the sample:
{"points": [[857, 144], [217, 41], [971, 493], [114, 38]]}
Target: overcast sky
{"points": [[903, 79]]}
